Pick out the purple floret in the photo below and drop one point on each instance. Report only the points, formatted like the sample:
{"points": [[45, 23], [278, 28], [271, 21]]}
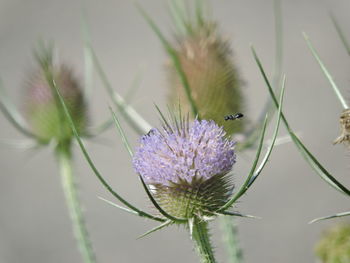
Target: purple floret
{"points": [[196, 149]]}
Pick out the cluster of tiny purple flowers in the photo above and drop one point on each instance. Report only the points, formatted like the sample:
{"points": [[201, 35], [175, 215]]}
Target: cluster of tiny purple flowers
{"points": [[194, 150]]}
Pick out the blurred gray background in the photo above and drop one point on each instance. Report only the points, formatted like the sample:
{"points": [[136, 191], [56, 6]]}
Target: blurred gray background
{"points": [[34, 224]]}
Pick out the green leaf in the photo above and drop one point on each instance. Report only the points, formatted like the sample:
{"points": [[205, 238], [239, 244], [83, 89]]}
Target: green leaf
{"points": [[341, 34], [326, 72], [244, 187], [329, 217], [313, 162], [175, 59], [135, 85], [121, 133], [24, 145], [253, 175], [177, 17], [159, 208], [134, 119], [252, 134], [269, 150], [97, 130], [228, 213], [166, 223], [154, 202], [12, 114], [277, 68], [88, 61], [90, 162], [118, 206]]}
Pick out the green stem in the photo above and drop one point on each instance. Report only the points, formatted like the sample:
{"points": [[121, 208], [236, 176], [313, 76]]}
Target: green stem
{"points": [[229, 229], [200, 235], [76, 214]]}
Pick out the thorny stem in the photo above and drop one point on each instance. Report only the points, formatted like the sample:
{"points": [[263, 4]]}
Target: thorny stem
{"points": [[64, 157], [200, 235]]}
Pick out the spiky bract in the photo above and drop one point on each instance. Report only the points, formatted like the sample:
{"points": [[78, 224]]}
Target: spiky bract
{"points": [[187, 164], [345, 128]]}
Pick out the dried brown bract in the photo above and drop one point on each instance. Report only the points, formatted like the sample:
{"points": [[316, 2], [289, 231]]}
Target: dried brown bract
{"points": [[345, 128]]}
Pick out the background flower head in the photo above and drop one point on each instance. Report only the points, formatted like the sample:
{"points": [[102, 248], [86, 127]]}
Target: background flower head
{"points": [[206, 59], [42, 109]]}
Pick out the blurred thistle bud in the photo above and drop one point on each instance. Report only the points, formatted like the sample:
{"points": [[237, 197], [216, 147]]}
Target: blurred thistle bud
{"points": [[43, 110], [334, 247], [207, 62], [345, 128], [187, 165]]}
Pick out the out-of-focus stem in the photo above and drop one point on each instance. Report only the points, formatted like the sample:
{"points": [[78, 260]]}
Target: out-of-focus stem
{"points": [[229, 230], [75, 211]]}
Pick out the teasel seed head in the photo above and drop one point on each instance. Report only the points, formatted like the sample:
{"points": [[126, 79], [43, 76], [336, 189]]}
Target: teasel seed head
{"points": [[188, 166], [345, 128], [207, 61], [334, 247], [43, 111]]}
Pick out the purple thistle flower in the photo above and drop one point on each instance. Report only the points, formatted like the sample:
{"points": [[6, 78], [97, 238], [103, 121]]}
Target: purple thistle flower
{"points": [[188, 164]]}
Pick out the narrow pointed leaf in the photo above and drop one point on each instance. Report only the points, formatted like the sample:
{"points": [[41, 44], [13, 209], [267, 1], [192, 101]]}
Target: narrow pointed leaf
{"points": [[244, 187], [92, 165], [156, 205], [238, 214], [200, 12], [118, 206], [341, 34], [177, 18], [252, 134], [26, 144], [121, 133], [269, 150], [97, 130], [253, 175], [162, 116], [133, 88], [126, 144], [329, 217], [88, 60], [175, 59], [326, 73], [166, 223], [313, 162], [11, 113], [278, 20], [138, 123]]}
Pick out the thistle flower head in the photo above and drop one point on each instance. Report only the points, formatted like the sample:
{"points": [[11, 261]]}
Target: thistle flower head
{"points": [[188, 165], [43, 111], [335, 245], [207, 62], [345, 127]]}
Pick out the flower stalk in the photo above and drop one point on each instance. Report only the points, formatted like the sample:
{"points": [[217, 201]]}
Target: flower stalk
{"points": [[64, 157], [200, 234]]}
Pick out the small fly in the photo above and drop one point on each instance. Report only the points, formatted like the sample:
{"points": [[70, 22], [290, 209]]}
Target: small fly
{"points": [[233, 117]]}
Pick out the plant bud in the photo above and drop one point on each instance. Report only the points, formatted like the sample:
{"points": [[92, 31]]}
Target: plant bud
{"points": [[207, 62], [44, 112]]}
